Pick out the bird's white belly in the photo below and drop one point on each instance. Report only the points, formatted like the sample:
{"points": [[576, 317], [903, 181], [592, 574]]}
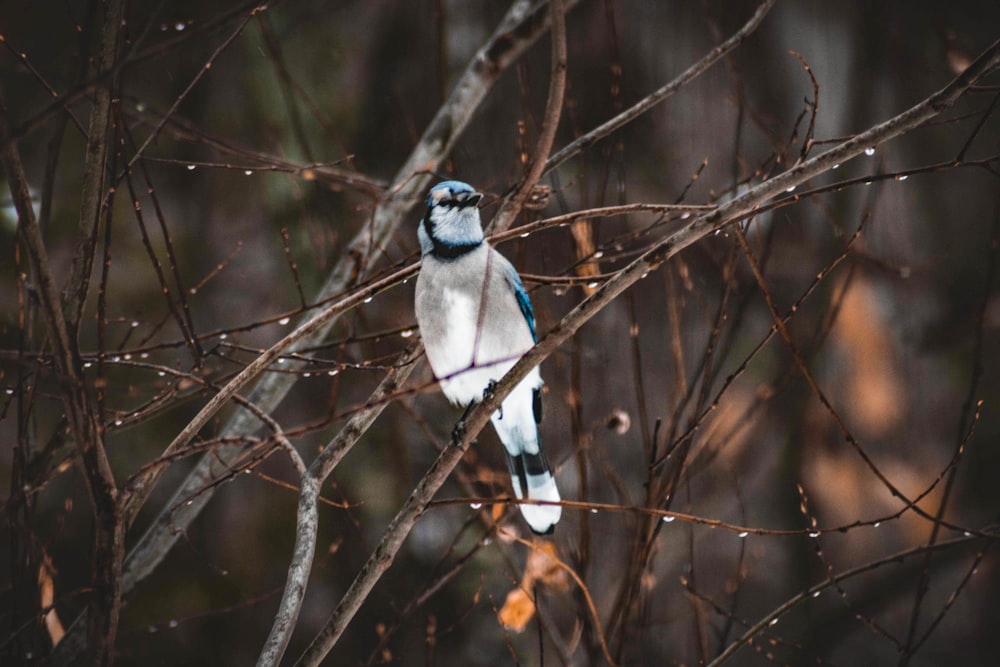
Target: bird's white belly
{"points": [[463, 359]]}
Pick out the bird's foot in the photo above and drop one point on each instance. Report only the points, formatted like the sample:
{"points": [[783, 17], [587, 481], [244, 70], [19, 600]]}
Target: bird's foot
{"points": [[488, 393], [490, 388]]}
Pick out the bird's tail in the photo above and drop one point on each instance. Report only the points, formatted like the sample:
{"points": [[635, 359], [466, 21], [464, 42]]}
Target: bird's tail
{"points": [[516, 423], [531, 473]]}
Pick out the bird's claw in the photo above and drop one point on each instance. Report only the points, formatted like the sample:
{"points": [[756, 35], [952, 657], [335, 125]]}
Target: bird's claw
{"points": [[488, 391]]}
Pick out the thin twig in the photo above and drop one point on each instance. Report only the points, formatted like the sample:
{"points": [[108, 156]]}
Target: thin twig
{"points": [[969, 406], [513, 204], [654, 98], [770, 619]]}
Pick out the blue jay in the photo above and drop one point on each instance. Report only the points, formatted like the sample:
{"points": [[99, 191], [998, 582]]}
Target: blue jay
{"points": [[476, 321]]}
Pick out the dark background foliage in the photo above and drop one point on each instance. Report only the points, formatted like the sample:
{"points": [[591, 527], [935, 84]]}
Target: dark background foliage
{"points": [[900, 335]]}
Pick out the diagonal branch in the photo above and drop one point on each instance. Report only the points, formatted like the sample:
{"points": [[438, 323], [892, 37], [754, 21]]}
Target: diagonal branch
{"points": [[401, 525], [969, 405], [773, 617], [746, 204], [657, 96]]}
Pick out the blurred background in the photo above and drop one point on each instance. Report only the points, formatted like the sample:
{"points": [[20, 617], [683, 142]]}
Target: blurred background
{"points": [[276, 157]]}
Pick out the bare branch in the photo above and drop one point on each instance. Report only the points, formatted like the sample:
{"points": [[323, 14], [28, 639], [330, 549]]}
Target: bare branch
{"points": [[400, 527], [513, 204], [94, 172], [654, 98], [108, 542], [775, 615], [703, 225], [307, 518]]}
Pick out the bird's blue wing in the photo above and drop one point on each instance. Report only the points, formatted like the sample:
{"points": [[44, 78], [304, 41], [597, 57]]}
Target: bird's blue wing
{"points": [[523, 302]]}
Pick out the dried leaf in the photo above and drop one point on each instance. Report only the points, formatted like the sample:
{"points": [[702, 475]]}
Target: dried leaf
{"points": [[543, 568], [517, 610]]}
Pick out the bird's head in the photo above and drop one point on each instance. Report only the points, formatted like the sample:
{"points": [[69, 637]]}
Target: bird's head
{"points": [[451, 226]]}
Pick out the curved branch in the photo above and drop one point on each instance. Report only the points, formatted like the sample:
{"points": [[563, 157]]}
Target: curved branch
{"points": [[397, 531], [307, 516]]}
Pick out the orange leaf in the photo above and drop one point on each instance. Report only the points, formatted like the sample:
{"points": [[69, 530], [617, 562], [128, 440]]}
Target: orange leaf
{"points": [[517, 610]]}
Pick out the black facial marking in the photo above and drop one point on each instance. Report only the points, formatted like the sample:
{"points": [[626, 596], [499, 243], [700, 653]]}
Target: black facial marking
{"points": [[444, 250]]}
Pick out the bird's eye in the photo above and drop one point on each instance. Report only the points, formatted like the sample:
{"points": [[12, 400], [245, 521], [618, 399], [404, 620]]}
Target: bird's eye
{"points": [[442, 198], [448, 199]]}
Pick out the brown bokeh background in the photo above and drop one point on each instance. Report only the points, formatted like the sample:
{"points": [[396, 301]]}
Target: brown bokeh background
{"points": [[901, 335]]}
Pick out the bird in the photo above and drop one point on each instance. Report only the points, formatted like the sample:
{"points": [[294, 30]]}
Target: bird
{"points": [[476, 321]]}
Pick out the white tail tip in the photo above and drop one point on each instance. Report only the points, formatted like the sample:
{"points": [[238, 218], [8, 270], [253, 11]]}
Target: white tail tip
{"points": [[542, 518]]}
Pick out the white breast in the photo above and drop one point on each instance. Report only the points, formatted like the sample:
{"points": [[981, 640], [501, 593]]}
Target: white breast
{"points": [[462, 358]]}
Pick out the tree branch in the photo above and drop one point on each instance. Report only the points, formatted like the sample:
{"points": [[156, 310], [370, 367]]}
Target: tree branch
{"points": [[657, 96], [513, 204], [788, 605], [307, 515], [94, 183], [108, 542]]}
